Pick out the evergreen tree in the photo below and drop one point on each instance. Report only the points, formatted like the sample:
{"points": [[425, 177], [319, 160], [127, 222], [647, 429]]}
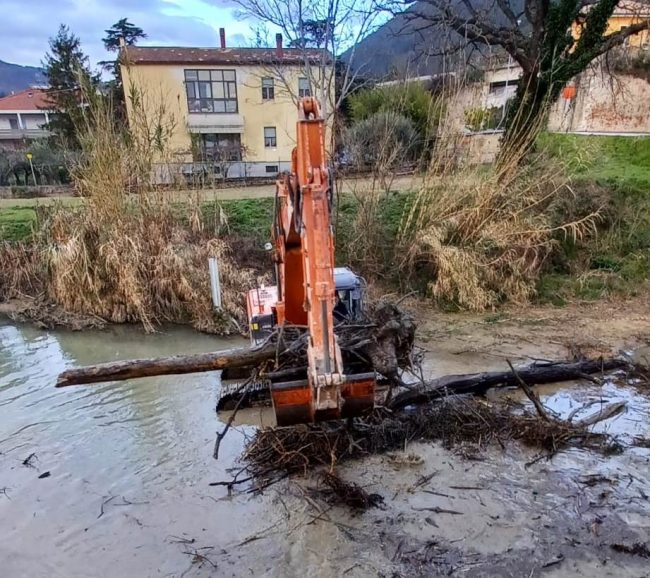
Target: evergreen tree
{"points": [[122, 29], [68, 73]]}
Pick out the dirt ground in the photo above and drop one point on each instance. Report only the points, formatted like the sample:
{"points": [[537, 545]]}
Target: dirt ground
{"points": [[601, 328]]}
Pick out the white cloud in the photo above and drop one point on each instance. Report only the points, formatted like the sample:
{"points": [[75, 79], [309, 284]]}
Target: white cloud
{"points": [[167, 22]]}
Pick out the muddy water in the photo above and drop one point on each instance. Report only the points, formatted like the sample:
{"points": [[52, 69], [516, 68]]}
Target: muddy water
{"points": [[129, 468], [141, 448]]}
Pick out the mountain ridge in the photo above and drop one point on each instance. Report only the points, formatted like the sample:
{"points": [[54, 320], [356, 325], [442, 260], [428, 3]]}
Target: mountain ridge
{"points": [[15, 77]]}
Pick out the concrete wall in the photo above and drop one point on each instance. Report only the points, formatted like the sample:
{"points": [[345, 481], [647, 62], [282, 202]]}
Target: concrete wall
{"points": [[163, 87], [478, 95], [603, 103]]}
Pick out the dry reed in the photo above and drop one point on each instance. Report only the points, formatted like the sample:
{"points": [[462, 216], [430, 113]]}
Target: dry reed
{"points": [[127, 257], [480, 234]]}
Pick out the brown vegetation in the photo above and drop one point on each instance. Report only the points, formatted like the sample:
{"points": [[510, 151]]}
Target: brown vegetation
{"points": [[473, 236], [126, 258], [484, 238]]}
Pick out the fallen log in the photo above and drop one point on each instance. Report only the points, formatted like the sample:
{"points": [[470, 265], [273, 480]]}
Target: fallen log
{"points": [[384, 343], [174, 365], [479, 383]]}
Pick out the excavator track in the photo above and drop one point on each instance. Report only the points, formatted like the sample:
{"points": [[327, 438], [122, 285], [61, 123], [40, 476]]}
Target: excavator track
{"points": [[256, 393]]}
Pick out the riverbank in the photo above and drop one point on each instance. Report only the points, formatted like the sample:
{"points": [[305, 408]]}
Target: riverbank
{"points": [[549, 236]]}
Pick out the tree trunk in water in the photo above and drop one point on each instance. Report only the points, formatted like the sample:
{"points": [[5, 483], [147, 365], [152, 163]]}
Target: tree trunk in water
{"points": [[174, 365], [479, 383]]}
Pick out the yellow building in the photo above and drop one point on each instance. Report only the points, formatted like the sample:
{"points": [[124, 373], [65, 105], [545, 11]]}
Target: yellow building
{"points": [[230, 109], [627, 14]]}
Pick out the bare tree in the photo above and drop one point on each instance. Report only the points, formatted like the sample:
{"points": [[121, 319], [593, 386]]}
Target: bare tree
{"points": [[322, 30], [551, 40]]}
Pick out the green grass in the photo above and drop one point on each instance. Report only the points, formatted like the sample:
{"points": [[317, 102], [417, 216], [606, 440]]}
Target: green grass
{"points": [[611, 173], [16, 223], [250, 216], [392, 207], [617, 160]]}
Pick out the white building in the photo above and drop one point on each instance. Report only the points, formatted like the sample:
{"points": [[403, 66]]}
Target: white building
{"points": [[22, 117]]}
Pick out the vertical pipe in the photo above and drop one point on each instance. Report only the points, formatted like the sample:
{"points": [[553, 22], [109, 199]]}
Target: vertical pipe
{"points": [[215, 282]]}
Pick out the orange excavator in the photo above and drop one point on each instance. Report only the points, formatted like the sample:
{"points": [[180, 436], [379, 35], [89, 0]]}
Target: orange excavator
{"points": [[310, 291]]}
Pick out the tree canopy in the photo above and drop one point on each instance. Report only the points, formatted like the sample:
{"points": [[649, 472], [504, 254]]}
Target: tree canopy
{"points": [[551, 40], [121, 30], [69, 75]]}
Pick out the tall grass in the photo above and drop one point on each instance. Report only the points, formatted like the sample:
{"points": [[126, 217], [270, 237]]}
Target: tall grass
{"points": [[480, 239], [475, 236], [130, 257]]}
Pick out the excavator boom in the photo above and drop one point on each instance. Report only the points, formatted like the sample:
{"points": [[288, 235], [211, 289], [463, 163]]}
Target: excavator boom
{"points": [[304, 257]]}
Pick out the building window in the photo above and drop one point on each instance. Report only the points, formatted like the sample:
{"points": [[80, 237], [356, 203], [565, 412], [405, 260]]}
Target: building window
{"points": [[218, 148], [503, 87], [13, 123], [268, 89], [303, 87], [211, 91], [270, 140], [272, 169]]}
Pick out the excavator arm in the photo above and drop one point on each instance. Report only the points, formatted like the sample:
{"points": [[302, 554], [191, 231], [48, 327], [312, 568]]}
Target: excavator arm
{"points": [[304, 257]]}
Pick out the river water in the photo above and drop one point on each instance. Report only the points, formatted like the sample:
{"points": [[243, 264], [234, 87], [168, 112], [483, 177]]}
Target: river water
{"points": [[141, 448], [118, 484]]}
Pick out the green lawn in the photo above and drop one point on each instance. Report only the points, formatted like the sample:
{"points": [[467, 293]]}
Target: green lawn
{"points": [[16, 223], [618, 160], [615, 172]]}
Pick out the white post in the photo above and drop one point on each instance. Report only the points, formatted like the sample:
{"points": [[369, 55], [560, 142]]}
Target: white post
{"points": [[20, 121], [215, 282]]}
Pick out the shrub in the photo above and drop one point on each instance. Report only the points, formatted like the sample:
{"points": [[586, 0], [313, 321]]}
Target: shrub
{"points": [[411, 100], [384, 138]]}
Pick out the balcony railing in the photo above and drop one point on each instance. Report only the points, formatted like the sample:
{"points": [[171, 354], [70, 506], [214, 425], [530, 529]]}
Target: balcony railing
{"points": [[21, 133], [218, 123]]}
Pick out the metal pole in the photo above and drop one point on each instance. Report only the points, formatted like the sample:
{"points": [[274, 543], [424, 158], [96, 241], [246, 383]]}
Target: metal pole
{"points": [[215, 282], [31, 166]]}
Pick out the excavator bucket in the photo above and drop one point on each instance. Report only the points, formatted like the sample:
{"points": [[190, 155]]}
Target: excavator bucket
{"points": [[294, 402]]}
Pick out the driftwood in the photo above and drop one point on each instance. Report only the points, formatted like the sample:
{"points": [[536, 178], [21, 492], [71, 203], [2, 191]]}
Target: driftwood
{"points": [[174, 365], [458, 422], [383, 342], [479, 383]]}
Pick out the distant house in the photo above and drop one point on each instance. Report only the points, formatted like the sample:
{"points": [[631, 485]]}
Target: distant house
{"points": [[592, 102], [234, 109], [627, 13], [22, 117]]}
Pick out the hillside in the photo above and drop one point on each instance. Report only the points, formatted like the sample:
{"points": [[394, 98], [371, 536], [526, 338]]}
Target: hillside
{"points": [[14, 77], [409, 45]]}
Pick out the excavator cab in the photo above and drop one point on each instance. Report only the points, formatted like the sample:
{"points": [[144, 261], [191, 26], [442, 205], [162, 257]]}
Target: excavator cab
{"points": [[350, 289], [260, 302]]}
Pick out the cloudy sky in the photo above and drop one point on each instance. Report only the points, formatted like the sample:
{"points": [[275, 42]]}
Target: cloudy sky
{"points": [[26, 25]]}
